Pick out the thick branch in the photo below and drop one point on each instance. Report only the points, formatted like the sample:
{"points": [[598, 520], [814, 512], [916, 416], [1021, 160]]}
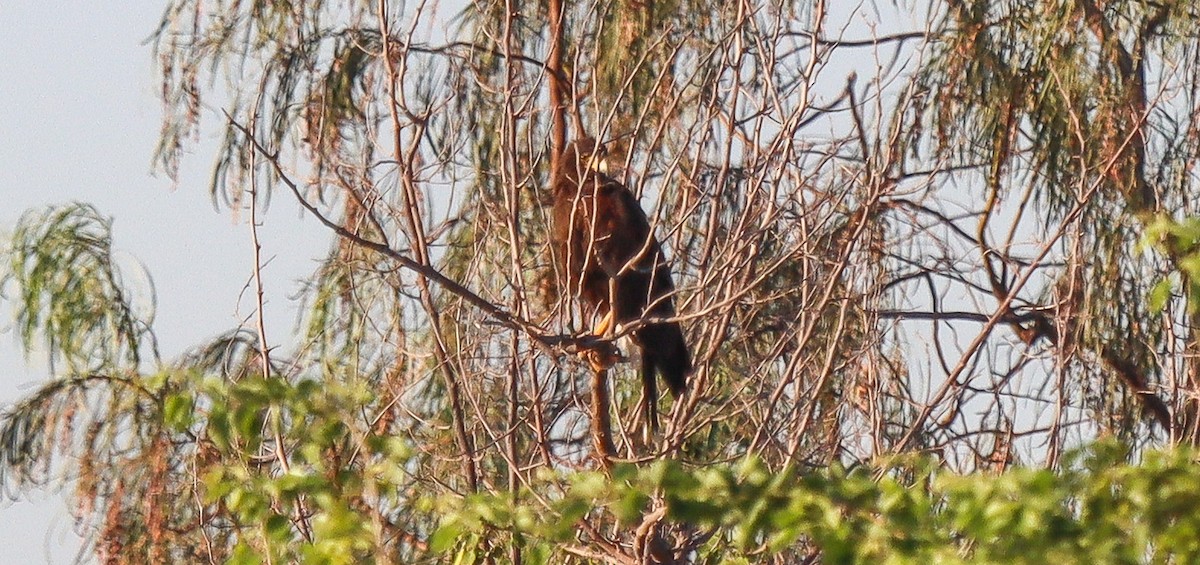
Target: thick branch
{"points": [[558, 87]]}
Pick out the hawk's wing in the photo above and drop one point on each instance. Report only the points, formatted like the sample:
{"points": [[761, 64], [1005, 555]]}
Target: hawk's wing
{"points": [[620, 233]]}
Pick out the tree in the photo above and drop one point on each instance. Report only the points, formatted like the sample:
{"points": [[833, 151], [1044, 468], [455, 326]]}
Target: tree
{"points": [[846, 297]]}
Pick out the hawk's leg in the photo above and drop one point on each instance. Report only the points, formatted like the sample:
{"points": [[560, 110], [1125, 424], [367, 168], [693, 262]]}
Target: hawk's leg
{"points": [[604, 355]]}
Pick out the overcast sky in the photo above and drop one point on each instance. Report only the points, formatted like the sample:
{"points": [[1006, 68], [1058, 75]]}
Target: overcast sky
{"points": [[79, 121]]}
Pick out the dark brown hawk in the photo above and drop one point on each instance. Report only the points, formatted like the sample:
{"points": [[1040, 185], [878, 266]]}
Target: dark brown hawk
{"points": [[616, 267]]}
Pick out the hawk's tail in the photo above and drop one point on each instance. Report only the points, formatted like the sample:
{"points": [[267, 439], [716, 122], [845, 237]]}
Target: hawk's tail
{"points": [[664, 353]]}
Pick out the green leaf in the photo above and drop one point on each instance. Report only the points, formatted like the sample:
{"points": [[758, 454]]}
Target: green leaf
{"points": [[295, 483], [279, 529], [245, 555], [220, 431], [179, 411], [1159, 295], [632, 505], [445, 537]]}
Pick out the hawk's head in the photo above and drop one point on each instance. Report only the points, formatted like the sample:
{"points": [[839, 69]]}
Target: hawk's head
{"points": [[584, 156]]}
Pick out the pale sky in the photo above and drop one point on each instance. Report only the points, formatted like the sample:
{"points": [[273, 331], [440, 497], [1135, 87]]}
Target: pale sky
{"points": [[79, 120]]}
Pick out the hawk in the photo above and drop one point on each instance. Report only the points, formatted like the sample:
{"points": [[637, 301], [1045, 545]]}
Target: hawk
{"points": [[612, 262]]}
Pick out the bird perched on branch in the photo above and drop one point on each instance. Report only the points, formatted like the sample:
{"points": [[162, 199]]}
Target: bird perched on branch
{"points": [[610, 259]]}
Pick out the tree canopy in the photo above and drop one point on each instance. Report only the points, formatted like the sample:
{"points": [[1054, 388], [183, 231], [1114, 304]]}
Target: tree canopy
{"points": [[925, 254]]}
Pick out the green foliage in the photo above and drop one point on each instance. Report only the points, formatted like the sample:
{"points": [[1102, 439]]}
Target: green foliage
{"points": [[1180, 240], [329, 471], [69, 294], [1099, 509], [241, 453]]}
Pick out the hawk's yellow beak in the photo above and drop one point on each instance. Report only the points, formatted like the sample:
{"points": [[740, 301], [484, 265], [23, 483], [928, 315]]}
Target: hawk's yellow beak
{"points": [[594, 158]]}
